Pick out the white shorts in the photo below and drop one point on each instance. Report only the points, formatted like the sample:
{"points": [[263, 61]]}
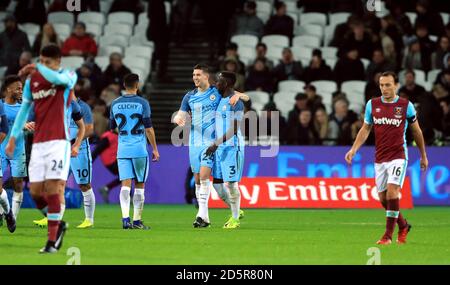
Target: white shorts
{"points": [[391, 172], [49, 160]]}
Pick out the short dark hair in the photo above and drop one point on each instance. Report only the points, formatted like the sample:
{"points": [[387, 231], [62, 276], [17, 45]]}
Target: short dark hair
{"points": [[229, 76], [250, 5], [409, 70], [232, 46], [130, 80], [279, 4], [390, 73], [203, 67], [52, 51], [8, 80], [262, 45]]}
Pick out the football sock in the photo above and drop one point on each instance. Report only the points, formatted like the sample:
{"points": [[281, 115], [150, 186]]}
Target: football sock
{"points": [[401, 222], [54, 216], [4, 202], [235, 199], [17, 203], [138, 203], [125, 201], [222, 192], [89, 204], [63, 209], [203, 199], [392, 213], [197, 196]]}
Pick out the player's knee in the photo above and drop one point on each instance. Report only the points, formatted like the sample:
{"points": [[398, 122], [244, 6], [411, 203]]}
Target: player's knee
{"points": [[234, 188], [85, 187], [217, 181]]}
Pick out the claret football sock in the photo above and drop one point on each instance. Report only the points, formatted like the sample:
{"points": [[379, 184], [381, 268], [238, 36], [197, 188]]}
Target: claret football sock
{"points": [[54, 216], [392, 213]]}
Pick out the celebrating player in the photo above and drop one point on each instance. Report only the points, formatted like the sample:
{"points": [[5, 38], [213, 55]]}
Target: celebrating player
{"points": [[390, 115], [131, 115], [12, 92], [49, 88], [228, 148], [202, 102]]}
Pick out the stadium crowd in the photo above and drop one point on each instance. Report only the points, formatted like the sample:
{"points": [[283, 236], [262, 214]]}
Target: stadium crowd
{"points": [[312, 60]]}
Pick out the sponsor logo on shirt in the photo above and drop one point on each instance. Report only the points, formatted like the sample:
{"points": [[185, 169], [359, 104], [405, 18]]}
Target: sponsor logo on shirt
{"points": [[387, 121], [44, 93]]}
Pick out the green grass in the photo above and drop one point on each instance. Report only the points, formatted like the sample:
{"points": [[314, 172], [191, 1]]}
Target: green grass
{"points": [[265, 237]]}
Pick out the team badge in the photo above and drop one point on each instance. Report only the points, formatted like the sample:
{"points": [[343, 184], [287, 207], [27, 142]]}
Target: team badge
{"points": [[377, 110], [398, 112], [224, 108], [212, 97], [35, 84]]}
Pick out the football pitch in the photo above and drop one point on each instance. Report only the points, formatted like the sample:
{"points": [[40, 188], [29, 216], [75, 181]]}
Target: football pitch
{"points": [[276, 236]]}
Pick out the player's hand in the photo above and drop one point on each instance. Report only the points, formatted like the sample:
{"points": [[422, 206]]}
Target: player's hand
{"points": [[423, 163], [9, 150], [155, 155], [179, 120], [235, 98], [75, 150], [27, 70], [349, 156], [211, 150], [30, 126]]}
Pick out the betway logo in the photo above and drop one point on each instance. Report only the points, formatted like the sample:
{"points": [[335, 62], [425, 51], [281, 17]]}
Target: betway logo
{"points": [[310, 193], [387, 121], [43, 93]]}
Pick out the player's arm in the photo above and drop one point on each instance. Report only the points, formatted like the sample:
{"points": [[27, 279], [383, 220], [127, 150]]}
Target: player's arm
{"points": [[4, 128], [180, 117], [21, 118], [362, 135], [417, 135], [238, 96], [78, 119], [66, 78], [149, 131], [88, 121]]}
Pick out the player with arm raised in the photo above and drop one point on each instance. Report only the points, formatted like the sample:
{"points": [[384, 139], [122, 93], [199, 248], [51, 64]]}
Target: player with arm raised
{"points": [[228, 149], [202, 103], [130, 113], [389, 116], [49, 88]]}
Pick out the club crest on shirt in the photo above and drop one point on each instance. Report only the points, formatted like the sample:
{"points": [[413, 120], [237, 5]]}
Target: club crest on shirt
{"points": [[224, 108], [212, 97], [398, 112], [378, 110]]}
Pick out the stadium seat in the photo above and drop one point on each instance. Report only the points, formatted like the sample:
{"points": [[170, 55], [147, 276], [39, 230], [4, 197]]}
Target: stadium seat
{"points": [[92, 18], [139, 51], [265, 7], [432, 75], [302, 53], [331, 62], [328, 35], [141, 40], [121, 17], [3, 15], [102, 62], [245, 40], [138, 62], [143, 18], [141, 73], [306, 40], [285, 101], [104, 6], [274, 53], [275, 40], [264, 16], [118, 40], [118, 29], [258, 98], [354, 89], [313, 18], [61, 17], [338, 18], [310, 29], [356, 107], [420, 77], [32, 38], [109, 49], [329, 52], [94, 29], [30, 28], [291, 7], [72, 62], [325, 88], [445, 18], [140, 29], [247, 54], [168, 8], [63, 30], [291, 86], [294, 17], [365, 62], [412, 17]]}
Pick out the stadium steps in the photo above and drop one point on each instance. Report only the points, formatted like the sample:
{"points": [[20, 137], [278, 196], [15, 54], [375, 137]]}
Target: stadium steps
{"points": [[165, 98]]}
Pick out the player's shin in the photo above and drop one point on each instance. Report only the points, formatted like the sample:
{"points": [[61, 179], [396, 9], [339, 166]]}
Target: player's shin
{"points": [[203, 199], [222, 192], [235, 198], [54, 216], [4, 202], [125, 201], [17, 202], [392, 213], [138, 203], [89, 204], [401, 221]]}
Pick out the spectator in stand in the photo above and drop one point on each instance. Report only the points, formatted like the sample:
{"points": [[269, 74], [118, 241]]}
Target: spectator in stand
{"points": [[13, 42], [288, 68], [301, 104], [99, 116], [280, 23], [259, 77], [115, 71], [413, 56], [302, 131], [341, 120], [249, 125], [231, 53], [25, 58], [429, 113], [426, 14], [270, 110], [87, 72], [427, 46], [248, 23], [46, 36], [231, 65], [372, 89], [410, 89], [79, 43], [314, 100], [443, 79], [358, 39], [261, 51], [357, 125], [342, 30], [437, 57], [321, 124], [445, 105], [378, 64], [30, 11], [108, 95], [391, 40], [349, 67], [317, 69]]}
